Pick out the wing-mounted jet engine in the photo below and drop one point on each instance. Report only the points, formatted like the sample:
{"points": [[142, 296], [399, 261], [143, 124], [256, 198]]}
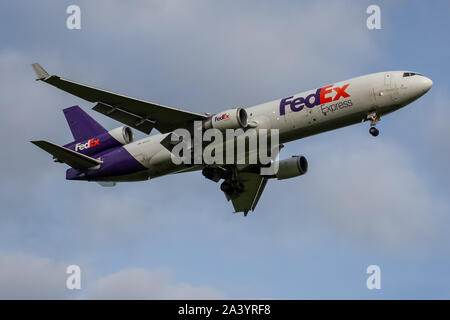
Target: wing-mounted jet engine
{"points": [[229, 119]]}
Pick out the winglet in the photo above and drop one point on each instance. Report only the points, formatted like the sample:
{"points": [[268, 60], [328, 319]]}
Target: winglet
{"points": [[41, 74]]}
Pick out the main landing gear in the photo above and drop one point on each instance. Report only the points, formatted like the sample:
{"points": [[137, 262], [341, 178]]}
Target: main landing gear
{"points": [[231, 185], [374, 118]]}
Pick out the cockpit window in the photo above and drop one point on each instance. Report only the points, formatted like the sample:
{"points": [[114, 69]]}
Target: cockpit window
{"points": [[409, 74]]}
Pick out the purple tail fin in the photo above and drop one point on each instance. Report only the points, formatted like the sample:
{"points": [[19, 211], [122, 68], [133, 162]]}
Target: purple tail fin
{"points": [[82, 125]]}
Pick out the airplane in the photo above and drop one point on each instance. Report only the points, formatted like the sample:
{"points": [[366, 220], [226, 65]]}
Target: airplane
{"points": [[108, 157]]}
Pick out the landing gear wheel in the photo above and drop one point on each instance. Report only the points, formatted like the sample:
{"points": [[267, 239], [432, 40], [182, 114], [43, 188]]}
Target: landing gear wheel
{"points": [[232, 187], [208, 172], [237, 186], [226, 187], [374, 131]]}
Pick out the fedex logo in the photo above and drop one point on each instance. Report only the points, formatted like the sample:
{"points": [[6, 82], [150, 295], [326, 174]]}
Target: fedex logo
{"points": [[222, 117], [321, 96], [91, 143]]}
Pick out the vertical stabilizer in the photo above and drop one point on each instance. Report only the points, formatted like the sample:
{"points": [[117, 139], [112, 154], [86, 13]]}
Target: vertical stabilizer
{"points": [[82, 125]]}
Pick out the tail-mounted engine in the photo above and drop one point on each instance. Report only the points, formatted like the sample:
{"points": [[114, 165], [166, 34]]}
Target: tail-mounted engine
{"points": [[113, 138], [122, 134]]}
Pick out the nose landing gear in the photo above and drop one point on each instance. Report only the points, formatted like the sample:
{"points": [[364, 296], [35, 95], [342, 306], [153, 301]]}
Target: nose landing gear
{"points": [[374, 118]]}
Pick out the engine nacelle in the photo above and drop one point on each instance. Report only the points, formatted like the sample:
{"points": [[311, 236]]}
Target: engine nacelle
{"points": [[114, 138], [292, 167], [122, 134], [228, 119]]}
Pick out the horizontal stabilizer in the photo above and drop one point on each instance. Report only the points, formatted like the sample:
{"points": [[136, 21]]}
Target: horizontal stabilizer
{"points": [[74, 159]]}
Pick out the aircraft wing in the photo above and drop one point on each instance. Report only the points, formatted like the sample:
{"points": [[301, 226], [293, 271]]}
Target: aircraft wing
{"points": [[247, 200], [139, 114]]}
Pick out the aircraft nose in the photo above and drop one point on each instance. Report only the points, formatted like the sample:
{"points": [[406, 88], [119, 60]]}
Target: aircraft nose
{"points": [[427, 83]]}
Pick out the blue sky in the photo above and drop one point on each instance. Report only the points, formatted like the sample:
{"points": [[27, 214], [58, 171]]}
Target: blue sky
{"points": [[364, 201]]}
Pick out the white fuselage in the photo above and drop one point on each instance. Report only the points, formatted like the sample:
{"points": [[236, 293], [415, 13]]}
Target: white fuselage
{"points": [[340, 104]]}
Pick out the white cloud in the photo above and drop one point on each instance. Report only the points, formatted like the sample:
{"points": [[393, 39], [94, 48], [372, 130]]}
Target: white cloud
{"points": [[149, 284], [24, 276]]}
